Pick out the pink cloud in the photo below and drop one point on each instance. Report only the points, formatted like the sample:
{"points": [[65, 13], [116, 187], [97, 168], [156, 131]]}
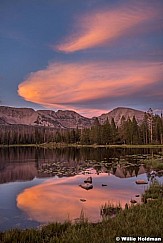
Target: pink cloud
{"points": [[79, 85], [103, 26]]}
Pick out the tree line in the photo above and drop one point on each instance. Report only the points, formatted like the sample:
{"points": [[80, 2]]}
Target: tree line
{"points": [[23, 134], [149, 131]]}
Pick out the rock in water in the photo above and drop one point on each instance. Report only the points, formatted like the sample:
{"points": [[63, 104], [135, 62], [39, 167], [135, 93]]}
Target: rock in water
{"points": [[141, 182], [150, 199], [104, 185], [133, 201], [153, 173], [88, 180], [83, 200], [86, 186]]}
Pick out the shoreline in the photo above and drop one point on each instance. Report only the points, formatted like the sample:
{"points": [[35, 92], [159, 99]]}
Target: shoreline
{"points": [[64, 145]]}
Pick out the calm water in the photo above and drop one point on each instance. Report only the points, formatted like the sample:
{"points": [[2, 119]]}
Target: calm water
{"points": [[41, 185]]}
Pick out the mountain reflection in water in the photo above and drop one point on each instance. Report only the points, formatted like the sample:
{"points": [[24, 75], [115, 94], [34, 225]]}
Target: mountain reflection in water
{"points": [[41, 185], [24, 163]]}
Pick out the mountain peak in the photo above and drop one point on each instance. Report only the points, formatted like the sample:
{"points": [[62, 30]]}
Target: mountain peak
{"points": [[62, 118], [119, 112]]}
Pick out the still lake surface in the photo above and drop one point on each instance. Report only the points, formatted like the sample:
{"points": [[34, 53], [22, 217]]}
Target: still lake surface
{"points": [[39, 185]]}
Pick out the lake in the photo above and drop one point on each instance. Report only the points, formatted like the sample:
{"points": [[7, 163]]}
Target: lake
{"points": [[39, 185]]}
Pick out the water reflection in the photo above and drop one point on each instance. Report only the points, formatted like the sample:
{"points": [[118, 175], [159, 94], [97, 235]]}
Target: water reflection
{"points": [[58, 200], [18, 172], [25, 163]]}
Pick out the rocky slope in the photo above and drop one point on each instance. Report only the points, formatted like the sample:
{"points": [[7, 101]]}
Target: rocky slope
{"points": [[119, 112], [28, 116], [11, 115], [61, 119]]}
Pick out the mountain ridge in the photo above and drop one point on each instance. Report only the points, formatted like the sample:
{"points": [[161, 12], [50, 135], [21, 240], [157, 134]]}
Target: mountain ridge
{"points": [[62, 118]]}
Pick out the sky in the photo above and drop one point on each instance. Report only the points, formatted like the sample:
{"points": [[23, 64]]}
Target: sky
{"points": [[89, 56]]}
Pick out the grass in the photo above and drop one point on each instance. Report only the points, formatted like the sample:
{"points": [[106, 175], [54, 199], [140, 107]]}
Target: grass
{"points": [[155, 191], [140, 220], [110, 210], [154, 163]]}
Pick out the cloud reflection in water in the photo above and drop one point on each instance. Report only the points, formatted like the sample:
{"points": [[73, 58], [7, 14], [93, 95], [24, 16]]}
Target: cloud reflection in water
{"points": [[59, 199]]}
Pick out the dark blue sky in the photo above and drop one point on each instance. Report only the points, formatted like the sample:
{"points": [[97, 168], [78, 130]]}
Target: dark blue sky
{"points": [[90, 56]]}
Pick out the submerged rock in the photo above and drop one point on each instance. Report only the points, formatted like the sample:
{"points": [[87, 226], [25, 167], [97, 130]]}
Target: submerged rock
{"points": [[104, 185]]}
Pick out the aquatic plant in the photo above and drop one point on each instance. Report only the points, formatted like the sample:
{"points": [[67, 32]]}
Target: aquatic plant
{"points": [[110, 210], [154, 191]]}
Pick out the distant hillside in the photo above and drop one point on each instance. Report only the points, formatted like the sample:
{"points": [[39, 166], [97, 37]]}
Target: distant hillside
{"points": [[48, 118], [61, 119], [119, 112]]}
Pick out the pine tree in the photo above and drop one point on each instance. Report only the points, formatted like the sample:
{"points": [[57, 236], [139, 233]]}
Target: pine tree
{"points": [[135, 131], [144, 131], [122, 130], [106, 133], [114, 131], [150, 123], [95, 132]]}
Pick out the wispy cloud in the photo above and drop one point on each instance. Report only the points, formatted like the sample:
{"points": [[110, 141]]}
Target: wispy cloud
{"points": [[85, 86], [98, 27]]}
